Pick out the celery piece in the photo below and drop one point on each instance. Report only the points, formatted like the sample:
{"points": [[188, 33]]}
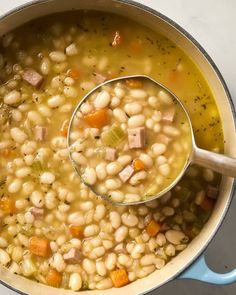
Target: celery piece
{"points": [[184, 194], [28, 267], [113, 136]]}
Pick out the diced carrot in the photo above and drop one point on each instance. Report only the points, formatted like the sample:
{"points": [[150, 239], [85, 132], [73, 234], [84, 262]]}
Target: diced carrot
{"points": [[39, 246], [54, 278], [64, 128], [74, 73], [97, 118], [117, 39], [7, 153], [207, 204], [76, 230], [119, 277], [153, 228], [7, 205], [134, 83], [138, 165]]}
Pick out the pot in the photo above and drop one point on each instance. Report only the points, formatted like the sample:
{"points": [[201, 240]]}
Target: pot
{"points": [[186, 264]]}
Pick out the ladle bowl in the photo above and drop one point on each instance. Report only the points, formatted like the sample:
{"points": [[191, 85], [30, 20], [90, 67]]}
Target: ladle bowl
{"points": [[217, 162]]}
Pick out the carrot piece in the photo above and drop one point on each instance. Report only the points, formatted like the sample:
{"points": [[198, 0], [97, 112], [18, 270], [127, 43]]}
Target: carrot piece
{"points": [[39, 246], [117, 39], [97, 118], [119, 277], [76, 230], [7, 205], [7, 153], [138, 165], [54, 278], [74, 73], [153, 228], [134, 83], [64, 128], [207, 204]]}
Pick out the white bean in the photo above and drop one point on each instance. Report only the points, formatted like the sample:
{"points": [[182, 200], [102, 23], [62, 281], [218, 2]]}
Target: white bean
{"points": [[70, 91], [119, 92], [89, 176], [98, 252], [56, 101], [175, 237], [129, 219], [37, 199], [45, 110], [47, 178], [75, 282], [165, 97], [23, 172], [110, 261], [153, 101], [171, 130], [18, 135], [138, 94], [89, 266], [158, 149], [160, 160], [148, 259], [12, 97], [133, 108], [104, 284], [113, 168], [113, 183], [137, 251], [57, 56], [15, 186], [124, 159], [77, 218], [164, 169], [102, 100], [115, 101], [132, 198], [101, 268], [86, 108], [45, 66], [121, 233], [99, 212], [136, 121], [116, 196], [138, 177], [146, 159], [71, 49], [115, 219], [91, 230], [4, 257], [120, 115], [35, 117]]}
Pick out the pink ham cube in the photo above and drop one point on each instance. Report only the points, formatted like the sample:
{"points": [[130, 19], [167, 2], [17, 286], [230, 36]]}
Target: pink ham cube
{"points": [[137, 137], [126, 173]]}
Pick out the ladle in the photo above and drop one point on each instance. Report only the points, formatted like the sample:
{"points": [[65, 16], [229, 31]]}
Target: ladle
{"points": [[217, 162]]}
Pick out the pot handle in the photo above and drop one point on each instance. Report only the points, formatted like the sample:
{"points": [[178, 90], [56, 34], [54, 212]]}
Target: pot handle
{"points": [[200, 271]]}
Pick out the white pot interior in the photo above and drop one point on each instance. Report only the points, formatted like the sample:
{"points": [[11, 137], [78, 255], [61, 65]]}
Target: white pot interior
{"points": [[156, 23]]}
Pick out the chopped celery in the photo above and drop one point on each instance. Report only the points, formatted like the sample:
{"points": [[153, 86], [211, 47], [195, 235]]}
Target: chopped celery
{"points": [[28, 267], [113, 136], [100, 152]]}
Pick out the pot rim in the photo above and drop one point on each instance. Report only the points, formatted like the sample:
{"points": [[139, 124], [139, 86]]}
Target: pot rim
{"points": [[215, 69]]}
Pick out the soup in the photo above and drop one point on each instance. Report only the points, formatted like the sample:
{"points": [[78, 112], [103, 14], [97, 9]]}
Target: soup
{"points": [[130, 140], [53, 228]]}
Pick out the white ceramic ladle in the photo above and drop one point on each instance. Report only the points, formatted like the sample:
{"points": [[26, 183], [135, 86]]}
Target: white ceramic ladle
{"points": [[217, 162]]}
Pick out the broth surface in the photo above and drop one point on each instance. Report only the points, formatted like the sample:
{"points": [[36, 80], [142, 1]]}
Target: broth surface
{"points": [[53, 229]]}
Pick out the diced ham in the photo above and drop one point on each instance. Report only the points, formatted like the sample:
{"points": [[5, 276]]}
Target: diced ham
{"points": [[212, 192], [110, 154], [33, 78], [126, 173], [168, 115], [40, 133], [137, 137], [73, 256], [99, 78], [163, 138], [37, 212]]}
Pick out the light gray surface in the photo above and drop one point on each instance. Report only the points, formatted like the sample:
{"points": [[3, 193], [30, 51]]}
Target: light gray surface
{"points": [[212, 23]]}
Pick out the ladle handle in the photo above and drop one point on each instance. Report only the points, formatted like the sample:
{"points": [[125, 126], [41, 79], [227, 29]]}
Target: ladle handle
{"points": [[217, 162]]}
